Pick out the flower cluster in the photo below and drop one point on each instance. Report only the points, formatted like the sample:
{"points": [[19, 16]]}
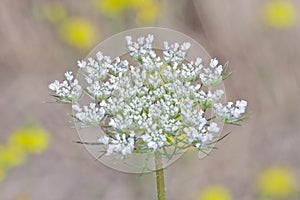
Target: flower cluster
{"points": [[69, 91], [159, 102], [229, 113], [120, 144], [212, 76], [91, 115]]}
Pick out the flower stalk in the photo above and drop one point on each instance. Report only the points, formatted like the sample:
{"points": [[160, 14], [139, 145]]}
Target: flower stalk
{"points": [[160, 180]]}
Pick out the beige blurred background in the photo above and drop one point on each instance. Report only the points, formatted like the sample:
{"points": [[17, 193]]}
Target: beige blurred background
{"points": [[38, 43]]}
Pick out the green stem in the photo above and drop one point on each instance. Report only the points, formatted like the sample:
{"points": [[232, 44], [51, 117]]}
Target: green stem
{"points": [[160, 180]]}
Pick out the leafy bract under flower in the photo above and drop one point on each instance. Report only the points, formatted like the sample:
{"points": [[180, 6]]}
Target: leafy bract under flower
{"points": [[157, 102]]}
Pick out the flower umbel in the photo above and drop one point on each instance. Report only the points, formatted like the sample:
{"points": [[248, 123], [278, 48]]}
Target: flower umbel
{"points": [[158, 101], [69, 91]]}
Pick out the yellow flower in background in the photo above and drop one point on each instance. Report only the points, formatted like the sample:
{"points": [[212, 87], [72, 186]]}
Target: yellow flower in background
{"points": [[280, 14], [11, 156], [55, 12], [276, 182], [30, 138], [147, 11], [215, 193], [78, 32], [113, 7]]}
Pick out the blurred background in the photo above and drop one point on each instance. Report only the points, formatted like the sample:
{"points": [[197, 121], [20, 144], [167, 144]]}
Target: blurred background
{"points": [[41, 39]]}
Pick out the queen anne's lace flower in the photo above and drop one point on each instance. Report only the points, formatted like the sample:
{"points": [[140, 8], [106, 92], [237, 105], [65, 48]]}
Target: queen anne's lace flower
{"points": [[157, 103], [120, 144], [175, 53], [91, 115], [207, 99], [69, 91], [229, 113], [212, 75]]}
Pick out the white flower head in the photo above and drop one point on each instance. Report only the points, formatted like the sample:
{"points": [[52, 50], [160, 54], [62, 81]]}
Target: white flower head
{"points": [[160, 101]]}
